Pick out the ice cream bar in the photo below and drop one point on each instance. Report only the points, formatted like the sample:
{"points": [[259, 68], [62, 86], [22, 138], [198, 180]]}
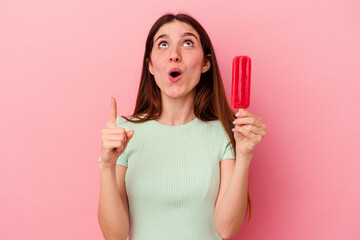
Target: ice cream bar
{"points": [[241, 74]]}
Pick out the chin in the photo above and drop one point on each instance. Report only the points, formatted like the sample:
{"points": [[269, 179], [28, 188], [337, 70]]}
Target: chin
{"points": [[178, 94], [175, 94]]}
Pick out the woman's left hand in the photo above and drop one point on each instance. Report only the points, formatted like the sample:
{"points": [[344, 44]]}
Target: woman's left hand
{"points": [[248, 132]]}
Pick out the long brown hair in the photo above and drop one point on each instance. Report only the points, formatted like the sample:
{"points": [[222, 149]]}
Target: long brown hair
{"points": [[210, 101]]}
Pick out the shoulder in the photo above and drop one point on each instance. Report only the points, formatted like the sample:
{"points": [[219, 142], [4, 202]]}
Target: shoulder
{"points": [[216, 125], [212, 123], [123, 120], [130, 123], [120, 121], [215, 128]]}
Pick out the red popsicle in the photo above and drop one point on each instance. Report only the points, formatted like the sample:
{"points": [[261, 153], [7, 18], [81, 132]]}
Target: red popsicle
{"points": [[241, 74]]}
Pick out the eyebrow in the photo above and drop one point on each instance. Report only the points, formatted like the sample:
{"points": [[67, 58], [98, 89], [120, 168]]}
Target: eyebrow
{"points": [[183, 35]]}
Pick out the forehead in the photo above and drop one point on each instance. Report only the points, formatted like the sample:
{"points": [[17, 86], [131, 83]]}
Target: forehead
{"points": [[175, 28]]}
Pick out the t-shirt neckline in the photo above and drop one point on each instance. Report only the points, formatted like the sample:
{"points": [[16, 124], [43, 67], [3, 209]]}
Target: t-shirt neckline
{"points": [[190, 124]]}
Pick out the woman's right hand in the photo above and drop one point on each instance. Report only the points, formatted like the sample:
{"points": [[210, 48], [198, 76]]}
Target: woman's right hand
{"points": [[114, 139]]}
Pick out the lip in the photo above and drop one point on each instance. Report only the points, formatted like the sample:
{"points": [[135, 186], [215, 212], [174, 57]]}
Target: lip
{"points": [[175, 79], [175, 70]]}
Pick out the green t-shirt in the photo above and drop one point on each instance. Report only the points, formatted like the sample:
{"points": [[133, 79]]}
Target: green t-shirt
{"points": [[172, 178]]}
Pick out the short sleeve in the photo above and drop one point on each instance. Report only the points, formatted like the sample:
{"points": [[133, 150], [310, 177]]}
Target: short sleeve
{"points": [[228, 152], [122, 160]]}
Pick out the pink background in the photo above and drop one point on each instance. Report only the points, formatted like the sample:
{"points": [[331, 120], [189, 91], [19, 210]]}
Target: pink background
{"points": [[60, 61]]}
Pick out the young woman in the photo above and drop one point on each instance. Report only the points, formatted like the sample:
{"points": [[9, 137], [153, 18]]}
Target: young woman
{"points": [[176, 168]]}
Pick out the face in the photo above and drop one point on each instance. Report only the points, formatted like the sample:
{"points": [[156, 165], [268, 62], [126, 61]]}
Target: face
{"points": [[177, 45]]}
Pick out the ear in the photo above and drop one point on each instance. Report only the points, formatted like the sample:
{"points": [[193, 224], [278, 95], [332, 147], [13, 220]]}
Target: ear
{"points": [[206, 64], [150, 66]]}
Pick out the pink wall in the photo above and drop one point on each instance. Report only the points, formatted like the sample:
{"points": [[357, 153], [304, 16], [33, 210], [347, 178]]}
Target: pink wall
{"points": [[61, 61]]}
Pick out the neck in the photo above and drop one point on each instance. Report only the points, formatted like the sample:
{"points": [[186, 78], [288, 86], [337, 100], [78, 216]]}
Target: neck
{"points": [[177, 111]]}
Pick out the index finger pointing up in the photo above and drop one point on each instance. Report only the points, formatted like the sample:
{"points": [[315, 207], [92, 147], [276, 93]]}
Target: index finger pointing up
{"points": [[113, 113]]}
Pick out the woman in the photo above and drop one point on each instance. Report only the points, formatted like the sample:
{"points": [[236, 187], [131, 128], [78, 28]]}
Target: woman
{"points": [[173, 161]]}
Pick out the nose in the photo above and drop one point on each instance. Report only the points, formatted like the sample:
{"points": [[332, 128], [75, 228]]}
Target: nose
{"points": [[176, 59], [175, 55]]}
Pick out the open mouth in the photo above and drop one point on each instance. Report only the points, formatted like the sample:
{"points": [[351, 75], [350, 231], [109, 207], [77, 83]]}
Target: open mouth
{"points": [[175, 74]]}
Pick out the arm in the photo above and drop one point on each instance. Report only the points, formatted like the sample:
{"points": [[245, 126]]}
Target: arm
{"points": [[112, 216], [231, 211]]}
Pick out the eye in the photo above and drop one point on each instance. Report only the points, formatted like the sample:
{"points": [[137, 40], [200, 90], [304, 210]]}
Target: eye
{"points": [[189, 41], [163, 44]]}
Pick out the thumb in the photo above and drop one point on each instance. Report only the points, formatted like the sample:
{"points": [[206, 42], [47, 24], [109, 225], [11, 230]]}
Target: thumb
{"points": [[129, 134]]}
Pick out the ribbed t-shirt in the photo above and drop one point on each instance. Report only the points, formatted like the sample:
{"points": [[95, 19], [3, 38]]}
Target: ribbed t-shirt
{"points": [[173, 178]]}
